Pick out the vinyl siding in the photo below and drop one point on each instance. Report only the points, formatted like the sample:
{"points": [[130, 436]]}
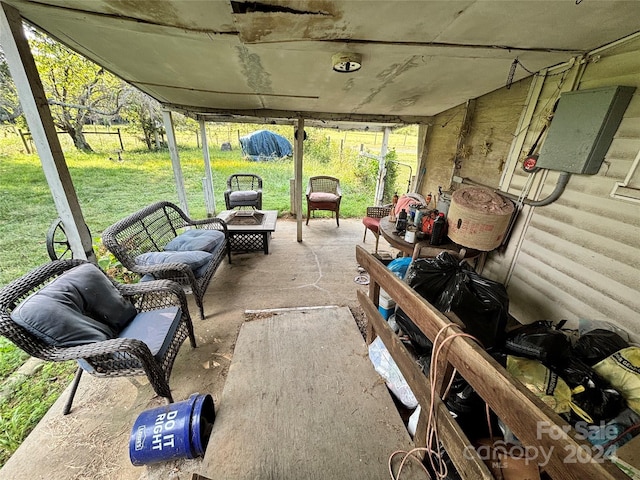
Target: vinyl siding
{"points": [[580, 256]]}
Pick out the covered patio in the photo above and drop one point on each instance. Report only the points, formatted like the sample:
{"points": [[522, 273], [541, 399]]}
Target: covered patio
{"points": [[447, 66]]}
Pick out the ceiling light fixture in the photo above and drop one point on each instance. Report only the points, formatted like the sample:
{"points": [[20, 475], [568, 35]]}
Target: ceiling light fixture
{"points": [[346, 62]]}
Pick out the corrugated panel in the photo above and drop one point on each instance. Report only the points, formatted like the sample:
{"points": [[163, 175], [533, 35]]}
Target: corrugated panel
{"points": [[580, 256]]}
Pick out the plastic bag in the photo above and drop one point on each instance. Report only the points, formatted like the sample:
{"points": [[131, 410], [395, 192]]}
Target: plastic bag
{"points": [[622, 371], [598, 399], [575, 372], [419, 340], [399, 266], [451, 286], [541, 341], [468, 408], [387, 368], [545, 384], [598, 344], [412, 424], [430, 276], [601, 404], [481, 304], [585, 326]]}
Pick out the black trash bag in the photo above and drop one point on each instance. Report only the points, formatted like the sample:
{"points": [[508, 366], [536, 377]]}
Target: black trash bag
{"points": [[576, 373], [541, 341], [481, 304], [596, 345], [469, 409], [430, 276], [598, 398], [601, 404], [419, 341]]}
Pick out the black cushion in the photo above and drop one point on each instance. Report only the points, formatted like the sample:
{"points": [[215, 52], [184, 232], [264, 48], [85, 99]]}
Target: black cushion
{"points": [[81, 306]]}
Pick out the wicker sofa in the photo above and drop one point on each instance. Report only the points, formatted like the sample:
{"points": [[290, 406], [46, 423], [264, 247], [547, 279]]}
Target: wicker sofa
{"points": [[161, 242]]}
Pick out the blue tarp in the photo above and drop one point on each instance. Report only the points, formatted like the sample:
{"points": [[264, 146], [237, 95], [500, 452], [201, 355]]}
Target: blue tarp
{"points": [[265, 145]]}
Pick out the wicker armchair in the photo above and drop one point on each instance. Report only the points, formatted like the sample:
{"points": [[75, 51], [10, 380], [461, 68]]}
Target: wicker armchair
{"points": [[243, 190], [115, 357], [324, 193], [372, 221]]}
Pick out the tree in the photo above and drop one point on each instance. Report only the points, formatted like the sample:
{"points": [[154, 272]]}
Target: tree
{"points": [[78, 90], [10, 108], [144, 112]]}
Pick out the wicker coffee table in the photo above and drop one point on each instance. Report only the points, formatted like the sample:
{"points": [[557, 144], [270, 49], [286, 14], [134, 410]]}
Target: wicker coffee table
{"points": [[250, 230]]}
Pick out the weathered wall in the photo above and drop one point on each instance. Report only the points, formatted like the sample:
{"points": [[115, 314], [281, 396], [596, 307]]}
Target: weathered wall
{"points": [[481, 152], [485, 149], [440, 146], [580, 256]]}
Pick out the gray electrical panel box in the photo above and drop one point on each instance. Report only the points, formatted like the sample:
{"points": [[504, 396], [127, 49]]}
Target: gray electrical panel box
{"points": [[582, 129]]}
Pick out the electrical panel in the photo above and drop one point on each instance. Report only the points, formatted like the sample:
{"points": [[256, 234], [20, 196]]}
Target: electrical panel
{"points": [[582, 129]]}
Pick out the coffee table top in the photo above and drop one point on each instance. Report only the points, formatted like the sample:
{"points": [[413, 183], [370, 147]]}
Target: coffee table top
{"points": [[250, 220]]}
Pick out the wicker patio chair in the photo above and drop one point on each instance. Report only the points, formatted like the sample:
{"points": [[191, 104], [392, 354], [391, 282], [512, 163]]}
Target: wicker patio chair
{"points": [[372, 222], [324, 193], [113, 357], [243, 190]]}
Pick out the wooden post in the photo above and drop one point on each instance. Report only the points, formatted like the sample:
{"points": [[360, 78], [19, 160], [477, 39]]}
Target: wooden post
{"points": [[209, 198], [292, 196], [175, 160], [120, 139], [423, 137], [24, 141], [382, 169], [299, 148]]}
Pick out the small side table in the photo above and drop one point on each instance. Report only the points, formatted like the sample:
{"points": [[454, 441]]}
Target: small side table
{"points": [[250, 230]]}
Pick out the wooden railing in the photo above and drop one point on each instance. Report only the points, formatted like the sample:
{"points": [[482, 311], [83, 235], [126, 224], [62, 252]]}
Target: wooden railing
{"points": [[567, 455]]}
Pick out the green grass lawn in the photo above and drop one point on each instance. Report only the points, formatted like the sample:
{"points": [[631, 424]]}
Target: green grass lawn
{"points": [[109, 189]]}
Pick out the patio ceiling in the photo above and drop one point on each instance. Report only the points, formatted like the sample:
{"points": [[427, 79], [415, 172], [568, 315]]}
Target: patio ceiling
{"points": [[234, 60]]}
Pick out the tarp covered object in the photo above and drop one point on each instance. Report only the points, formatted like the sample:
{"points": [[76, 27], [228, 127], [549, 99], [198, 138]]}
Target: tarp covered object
{"points": [[265, 145]]}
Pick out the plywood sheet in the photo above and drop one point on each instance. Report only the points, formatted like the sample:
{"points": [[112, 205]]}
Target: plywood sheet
{"points": [[302, 400]]}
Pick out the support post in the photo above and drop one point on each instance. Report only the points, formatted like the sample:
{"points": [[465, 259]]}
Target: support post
{"points": [[298, 175], [175, 160], [209, 198], [36, 110], [382, 168], [423, 139]]}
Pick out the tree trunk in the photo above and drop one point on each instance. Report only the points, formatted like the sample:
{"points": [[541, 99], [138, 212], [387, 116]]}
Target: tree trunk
{"points": [[79, 140]]}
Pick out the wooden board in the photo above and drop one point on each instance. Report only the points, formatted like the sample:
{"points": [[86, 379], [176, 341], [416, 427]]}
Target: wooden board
{"points": [[302, 401]]}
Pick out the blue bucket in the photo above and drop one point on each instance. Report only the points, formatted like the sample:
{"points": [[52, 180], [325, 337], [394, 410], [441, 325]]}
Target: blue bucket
{"points": [[178, 430]]}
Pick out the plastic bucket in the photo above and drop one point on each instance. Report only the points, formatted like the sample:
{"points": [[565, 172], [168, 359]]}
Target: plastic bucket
{"points": [[178, 430]]}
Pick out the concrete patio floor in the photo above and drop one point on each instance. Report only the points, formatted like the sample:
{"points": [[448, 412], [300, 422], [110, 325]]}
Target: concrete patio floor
{"points": [[92, 442]]}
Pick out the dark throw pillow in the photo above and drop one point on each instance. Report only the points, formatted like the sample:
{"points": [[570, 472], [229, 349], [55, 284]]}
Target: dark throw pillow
{"points": [[80, 306], [196, 239]]}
